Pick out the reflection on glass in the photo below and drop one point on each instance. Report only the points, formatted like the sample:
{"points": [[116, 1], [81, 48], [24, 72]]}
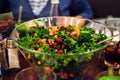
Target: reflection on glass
{"points": [[39, 73], [114, 25]]}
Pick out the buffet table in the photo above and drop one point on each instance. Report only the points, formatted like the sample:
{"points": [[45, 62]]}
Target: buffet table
{"points": [[95, 67]]}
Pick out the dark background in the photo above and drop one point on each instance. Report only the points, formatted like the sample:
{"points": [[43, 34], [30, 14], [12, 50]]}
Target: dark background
{"points": [[105, 8]]}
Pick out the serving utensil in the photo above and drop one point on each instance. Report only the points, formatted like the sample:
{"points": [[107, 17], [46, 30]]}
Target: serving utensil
{"points": [[108, 38]]}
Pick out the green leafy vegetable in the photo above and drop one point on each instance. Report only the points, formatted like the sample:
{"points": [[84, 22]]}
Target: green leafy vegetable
{"points": [[63, 44]]}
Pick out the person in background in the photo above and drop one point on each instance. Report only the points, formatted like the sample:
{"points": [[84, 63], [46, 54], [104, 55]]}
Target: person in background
{"points": [[32, 9]]}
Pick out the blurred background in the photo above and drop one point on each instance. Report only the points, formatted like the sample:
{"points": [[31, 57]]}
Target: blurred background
{"points": [[101, 8], [105, 8]]}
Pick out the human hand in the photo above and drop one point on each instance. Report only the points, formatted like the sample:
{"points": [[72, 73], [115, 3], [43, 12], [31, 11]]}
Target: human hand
{"points": [[74, 21], [78, 16]]}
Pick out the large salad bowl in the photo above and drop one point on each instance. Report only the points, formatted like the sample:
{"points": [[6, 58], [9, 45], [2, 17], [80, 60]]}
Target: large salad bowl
{"points": [[60, 41]]}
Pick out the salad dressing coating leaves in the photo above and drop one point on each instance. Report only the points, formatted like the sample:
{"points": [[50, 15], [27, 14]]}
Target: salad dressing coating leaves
{"points": [[66, 42]]}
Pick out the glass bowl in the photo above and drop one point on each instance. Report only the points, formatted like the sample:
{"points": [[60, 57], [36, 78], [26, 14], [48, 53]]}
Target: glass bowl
{"points": [[68, 52], [104, 76], [114, 26], [43, 73]]}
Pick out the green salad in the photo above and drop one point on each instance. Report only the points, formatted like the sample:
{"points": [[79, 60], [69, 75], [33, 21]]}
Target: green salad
{"points": [[61, 40], [67, 42]]}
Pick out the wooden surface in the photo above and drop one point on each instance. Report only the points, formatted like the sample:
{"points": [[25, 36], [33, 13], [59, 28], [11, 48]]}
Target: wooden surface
{"points": [[95, 67], [10, 74]]}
